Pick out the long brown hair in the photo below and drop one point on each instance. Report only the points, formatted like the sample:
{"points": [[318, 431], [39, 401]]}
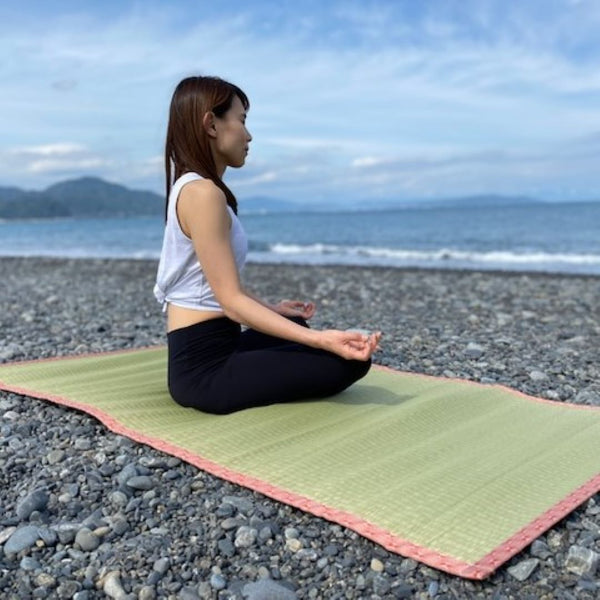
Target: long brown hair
{"points": [[187, 147]]}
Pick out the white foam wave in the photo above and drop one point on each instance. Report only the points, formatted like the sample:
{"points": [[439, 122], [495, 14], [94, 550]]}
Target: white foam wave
{"points": [[436, 256]]}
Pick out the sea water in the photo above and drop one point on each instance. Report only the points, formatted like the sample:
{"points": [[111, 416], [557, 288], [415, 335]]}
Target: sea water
{"points": [[551, 237]]}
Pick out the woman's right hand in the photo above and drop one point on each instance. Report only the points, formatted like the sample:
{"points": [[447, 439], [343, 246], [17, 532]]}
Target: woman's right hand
{"points": [[350, 345]]}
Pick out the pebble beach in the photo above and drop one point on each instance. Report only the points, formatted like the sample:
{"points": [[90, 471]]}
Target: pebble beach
{"points": [[88, 514]]}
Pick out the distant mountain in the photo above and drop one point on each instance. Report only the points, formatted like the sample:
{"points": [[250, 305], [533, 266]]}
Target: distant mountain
{"points": [[84, 197], [94, 197]]}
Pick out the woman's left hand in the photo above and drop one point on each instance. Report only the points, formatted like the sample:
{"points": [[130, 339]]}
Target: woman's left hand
{"points": [[295, 308]]}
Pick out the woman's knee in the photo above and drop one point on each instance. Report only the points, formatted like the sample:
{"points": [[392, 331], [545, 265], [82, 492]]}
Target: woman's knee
{"points": [[360, 368]]}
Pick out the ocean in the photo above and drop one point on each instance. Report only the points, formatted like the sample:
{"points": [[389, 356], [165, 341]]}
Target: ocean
{"points": [[549, 237]]}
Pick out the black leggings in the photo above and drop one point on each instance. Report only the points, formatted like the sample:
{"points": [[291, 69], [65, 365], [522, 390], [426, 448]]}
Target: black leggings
{"points": [[217, 368]]}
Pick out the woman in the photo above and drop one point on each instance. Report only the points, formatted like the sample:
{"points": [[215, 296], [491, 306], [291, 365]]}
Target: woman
{"points": [[213, 365]]}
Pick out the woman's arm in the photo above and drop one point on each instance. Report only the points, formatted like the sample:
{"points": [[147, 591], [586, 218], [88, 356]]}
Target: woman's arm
{"points": [[287, 308], [204, 217]]}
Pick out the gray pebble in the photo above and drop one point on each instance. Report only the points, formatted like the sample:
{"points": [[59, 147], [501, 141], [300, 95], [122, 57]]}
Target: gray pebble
{"points": [[119, 525], [29, 564], [118, 498], [82, 444], [55, 456], [474, 351], [95, 520], [582, 561], [522, 570], [294, 545], [48, 536], [112, 586], [147, 593], [243, 505], [21, 539], [231, 523], [205, 591], [265, 533], [45, 580], [153, 578], [589, 396], [87, 540], [9, 352], [226, 547], [66, 532], [537, 376], [6, 533], [267, 589], [307, 554], [127, 472], [162, 565], [245, 536], [217, 581], [37, 500], [540, 549], [188, 593], [381, 585], [588, 586], [403, 591], [225, 510], [140, 482], [67, 589]]}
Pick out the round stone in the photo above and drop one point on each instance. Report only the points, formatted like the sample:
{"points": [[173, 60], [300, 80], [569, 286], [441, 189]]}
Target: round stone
{"points": [[245, 536], [217, 582], [22, 538], [293, 545], [87, 540], [377, 565], [140, 482]]}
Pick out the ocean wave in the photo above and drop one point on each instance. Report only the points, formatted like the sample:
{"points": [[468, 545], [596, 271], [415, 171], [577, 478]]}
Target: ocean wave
{"points": [[435, 256]]}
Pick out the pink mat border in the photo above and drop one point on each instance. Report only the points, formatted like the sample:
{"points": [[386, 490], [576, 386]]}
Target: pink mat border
{"points": [[479, 570]]}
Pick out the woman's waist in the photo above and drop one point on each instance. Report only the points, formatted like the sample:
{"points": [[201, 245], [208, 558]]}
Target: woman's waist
{"points": [[180, 317]]}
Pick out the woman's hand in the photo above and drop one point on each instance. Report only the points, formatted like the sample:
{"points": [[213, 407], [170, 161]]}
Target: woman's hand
{"points": [[295, 308], [350, 345]]}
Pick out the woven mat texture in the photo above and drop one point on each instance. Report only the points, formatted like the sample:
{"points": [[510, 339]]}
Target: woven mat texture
{"points": [[455, 474]]}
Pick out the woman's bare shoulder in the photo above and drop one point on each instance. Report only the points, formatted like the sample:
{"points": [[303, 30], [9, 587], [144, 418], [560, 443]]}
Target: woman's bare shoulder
{"points": [[202, 204], [202, 191]]}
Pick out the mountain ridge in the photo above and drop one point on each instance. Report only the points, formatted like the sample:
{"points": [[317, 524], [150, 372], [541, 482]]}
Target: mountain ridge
{"points": [[91, 197]]}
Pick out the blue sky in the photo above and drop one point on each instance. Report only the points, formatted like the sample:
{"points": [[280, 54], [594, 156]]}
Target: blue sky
{"points": [[353, 101]]}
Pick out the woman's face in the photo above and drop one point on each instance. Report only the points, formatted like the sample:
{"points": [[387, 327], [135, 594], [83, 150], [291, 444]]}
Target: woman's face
{"points": [[232, 138]]}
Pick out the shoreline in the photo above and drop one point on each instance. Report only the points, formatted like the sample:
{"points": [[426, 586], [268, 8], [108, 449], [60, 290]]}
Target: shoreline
{"points": [[333, 265], [538, 333]]}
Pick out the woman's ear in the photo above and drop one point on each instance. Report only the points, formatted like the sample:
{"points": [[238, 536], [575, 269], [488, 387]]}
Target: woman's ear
{"points": [[208, 122]]}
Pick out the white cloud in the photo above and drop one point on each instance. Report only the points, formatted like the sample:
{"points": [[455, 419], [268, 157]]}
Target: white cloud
{"points": [[57, 149], [368, 161], [65, 165], [399, 97], [266, 177], [51, 160]]}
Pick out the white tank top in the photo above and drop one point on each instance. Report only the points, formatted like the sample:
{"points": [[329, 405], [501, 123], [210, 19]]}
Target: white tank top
{"points": [[180, 279]]}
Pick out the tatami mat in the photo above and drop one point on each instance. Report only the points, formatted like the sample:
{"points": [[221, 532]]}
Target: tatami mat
{"points": [[457, 475]]}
